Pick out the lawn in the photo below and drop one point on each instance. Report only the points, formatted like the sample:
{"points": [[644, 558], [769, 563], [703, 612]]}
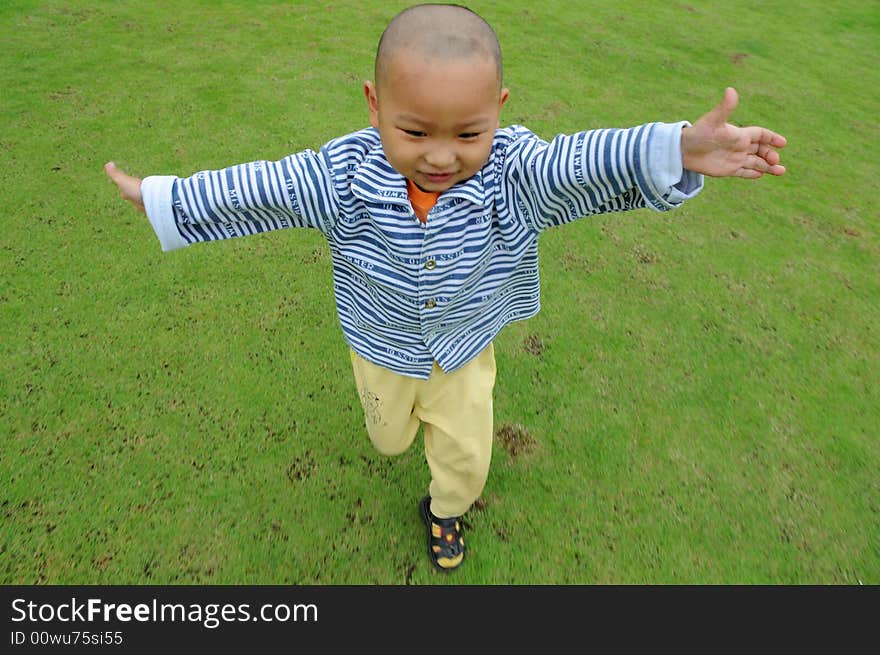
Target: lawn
{"points": [[697, 402]]}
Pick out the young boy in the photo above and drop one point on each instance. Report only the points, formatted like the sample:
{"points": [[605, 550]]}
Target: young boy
{"points": [[432, 216]]}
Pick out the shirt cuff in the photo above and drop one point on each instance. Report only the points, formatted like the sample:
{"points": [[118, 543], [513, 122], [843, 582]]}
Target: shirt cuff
{"points": [[156, 193], [673, 183]]}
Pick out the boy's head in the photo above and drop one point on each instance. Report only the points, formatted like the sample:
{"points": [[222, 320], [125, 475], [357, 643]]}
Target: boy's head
{"points": [[437, 95]]}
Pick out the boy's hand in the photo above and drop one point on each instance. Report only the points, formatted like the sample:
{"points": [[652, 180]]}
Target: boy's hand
{"points": [[714, 147], [129, 187]]}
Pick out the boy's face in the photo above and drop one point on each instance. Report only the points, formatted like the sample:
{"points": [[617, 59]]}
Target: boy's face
{"points": [[436, 118]]}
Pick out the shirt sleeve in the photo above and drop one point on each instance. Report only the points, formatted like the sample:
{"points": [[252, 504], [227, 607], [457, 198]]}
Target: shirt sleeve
{"points": [[261, 196], [672, 182], [156, 192], [598, 171]]}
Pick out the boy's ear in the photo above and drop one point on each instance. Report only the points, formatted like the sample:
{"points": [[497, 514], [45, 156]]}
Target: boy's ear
{"points": [[372, 103], [505, 95]]}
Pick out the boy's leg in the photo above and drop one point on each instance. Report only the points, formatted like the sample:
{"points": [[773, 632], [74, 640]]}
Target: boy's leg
{"points": [[388, 400], [457, 411]]}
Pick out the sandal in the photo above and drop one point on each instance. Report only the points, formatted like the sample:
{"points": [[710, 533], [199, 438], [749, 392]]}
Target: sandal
{"points": [[445, 540]]}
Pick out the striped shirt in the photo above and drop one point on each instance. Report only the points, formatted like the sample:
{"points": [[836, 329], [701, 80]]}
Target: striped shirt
{"points": [[409, 293]]}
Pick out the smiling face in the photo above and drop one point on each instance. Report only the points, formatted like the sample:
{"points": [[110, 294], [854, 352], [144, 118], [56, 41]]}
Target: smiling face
{"points": [[436, 116]]}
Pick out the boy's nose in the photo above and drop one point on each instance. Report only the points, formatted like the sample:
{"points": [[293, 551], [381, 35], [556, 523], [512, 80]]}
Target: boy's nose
{"points": [[440, 158]]}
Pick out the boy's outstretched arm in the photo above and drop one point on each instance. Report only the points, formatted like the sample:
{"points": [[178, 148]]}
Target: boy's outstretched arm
{"points": [[129, 187], [241, 200], [714, 147]]}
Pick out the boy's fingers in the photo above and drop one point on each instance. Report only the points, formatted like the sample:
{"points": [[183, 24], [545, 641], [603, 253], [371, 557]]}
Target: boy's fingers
{"points": [[117, 174], [763, 136], [129, 187], [114, 173], [768, 154], [757, 165], [777, 140], [122, 179]]}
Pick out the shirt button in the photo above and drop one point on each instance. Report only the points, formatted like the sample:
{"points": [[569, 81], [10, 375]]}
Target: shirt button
{"points": [[430, 265], [430, 304]]}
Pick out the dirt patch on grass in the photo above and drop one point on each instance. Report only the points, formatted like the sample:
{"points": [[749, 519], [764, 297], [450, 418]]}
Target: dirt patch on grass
{"points": [[533, 345], [101, 562], [645, 256], [301, 468], [480, 504], [515, 439]]}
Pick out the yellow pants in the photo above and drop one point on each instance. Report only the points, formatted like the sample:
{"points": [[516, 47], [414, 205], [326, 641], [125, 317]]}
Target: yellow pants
{"points": [[456, 409]]}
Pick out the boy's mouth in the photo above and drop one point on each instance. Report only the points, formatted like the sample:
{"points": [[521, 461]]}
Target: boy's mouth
{"points": [[438, 178]]}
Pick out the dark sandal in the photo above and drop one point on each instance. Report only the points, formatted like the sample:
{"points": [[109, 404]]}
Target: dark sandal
{"points": [[445, 540]]}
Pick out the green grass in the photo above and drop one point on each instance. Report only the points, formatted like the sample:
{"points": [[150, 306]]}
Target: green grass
{"points": [[700, 390]]}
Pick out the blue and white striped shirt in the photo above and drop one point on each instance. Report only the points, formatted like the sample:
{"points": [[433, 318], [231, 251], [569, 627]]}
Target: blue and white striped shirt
{"points": [[407, 293]]}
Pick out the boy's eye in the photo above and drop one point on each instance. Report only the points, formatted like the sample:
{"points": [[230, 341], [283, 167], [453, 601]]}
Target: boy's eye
{"points": [[469, 135], [415, 133]]}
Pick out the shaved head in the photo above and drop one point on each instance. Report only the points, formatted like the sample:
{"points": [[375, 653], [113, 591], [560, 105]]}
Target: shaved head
{"points": [[437, 32]]}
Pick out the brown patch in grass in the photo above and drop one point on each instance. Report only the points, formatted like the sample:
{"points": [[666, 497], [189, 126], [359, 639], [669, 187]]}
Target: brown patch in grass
{"points": [[572, 261], [515, 438], [410, 569], [301, 468], [101, 562], [533, 345], [645, 256], [318, 254], [738, 57]]}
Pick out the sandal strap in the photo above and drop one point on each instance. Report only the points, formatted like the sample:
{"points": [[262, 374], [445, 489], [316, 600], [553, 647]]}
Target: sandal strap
{"points": [[446, 534], [445, 540]]}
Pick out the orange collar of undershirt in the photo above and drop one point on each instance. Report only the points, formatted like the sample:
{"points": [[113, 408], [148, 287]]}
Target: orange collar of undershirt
{"points": [[422, 201]]}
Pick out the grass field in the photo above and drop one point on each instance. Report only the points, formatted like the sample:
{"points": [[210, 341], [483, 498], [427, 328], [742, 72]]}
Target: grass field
{"points": [[697, 402]]}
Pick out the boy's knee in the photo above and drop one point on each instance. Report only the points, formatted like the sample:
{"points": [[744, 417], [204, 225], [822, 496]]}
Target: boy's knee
{"points": [[393, 442], [389, 448]]}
